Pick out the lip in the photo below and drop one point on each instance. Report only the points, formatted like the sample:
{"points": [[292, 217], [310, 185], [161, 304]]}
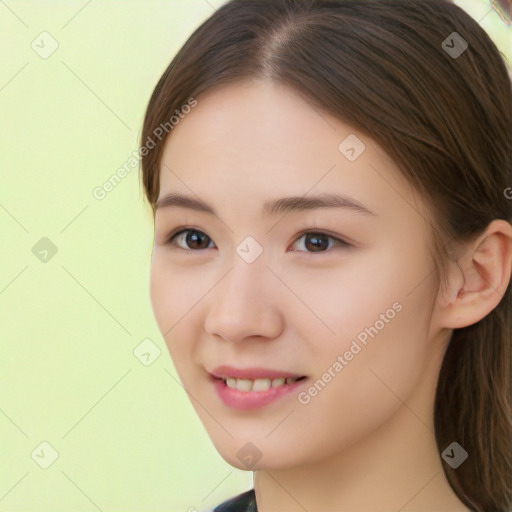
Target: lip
{"points": [[249, 400], [222, 372]]}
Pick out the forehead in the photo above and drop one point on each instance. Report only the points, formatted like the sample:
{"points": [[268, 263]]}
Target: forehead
{"points": [[251, 121], [257, 140]]}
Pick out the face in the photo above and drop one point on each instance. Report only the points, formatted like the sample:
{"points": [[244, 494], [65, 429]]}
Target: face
{"points": [[341, 294]]}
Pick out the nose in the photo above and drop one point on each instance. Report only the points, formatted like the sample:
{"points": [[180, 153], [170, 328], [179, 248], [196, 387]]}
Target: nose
{"points": [[244, 304]]}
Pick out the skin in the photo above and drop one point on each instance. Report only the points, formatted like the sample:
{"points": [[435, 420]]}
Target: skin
{"points": [[365, 442]]}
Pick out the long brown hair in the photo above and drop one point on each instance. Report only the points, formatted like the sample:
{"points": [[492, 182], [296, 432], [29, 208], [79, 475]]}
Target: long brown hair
{"points": [[440, 105]]}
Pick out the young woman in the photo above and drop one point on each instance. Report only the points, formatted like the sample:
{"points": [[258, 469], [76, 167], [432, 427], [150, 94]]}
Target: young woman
{"points": [[330, 182]]}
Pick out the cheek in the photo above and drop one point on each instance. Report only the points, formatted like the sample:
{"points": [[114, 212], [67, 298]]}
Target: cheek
{"points": [[381, 316], [161, 302], [385, 329], [381, 362], [360, 291], [173, 296], [365, 392], [177, 301]]}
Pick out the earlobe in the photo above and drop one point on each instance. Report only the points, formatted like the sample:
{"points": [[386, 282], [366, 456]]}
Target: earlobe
{"points": [[478, 281]]}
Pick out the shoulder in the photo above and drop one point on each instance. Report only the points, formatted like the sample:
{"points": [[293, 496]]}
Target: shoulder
{"points": [[245, 502]]}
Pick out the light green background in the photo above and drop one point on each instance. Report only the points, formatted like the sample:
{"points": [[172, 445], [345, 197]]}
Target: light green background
{"points": [[126, 434]]}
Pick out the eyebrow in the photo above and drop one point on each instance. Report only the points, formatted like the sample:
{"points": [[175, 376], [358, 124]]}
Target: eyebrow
{"points": [[272, 208]]}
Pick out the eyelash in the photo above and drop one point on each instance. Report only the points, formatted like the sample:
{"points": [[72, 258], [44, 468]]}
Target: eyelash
{"points": [[338, 241]]}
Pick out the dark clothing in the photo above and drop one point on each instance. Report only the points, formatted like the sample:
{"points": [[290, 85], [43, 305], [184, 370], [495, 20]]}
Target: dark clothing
{"points": [[245, 502]]}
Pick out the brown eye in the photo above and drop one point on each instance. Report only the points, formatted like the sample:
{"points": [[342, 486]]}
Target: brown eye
{"points": [[191, 239], [319, 242]]}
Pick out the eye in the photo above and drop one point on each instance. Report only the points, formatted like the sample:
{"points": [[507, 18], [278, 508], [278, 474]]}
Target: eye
{"points": [[195, 240], [319, 242], [190, 239]]}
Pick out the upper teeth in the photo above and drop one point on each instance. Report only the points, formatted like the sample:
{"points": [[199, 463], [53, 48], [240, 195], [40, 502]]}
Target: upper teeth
{"points": [[257, 384]]}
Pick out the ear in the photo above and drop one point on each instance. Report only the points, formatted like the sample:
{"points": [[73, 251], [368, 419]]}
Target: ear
{"points": [[477, 281]]}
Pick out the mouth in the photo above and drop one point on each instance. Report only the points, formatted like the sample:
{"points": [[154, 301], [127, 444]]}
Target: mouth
{"points": [[254, 379], [258, 385], [239, 391]]}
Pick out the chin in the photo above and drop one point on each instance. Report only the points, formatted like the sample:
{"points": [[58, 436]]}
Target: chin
{"points": [[254, 456]]}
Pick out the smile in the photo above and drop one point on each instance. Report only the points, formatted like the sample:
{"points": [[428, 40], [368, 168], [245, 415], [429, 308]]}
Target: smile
{"points": [[258, 385]]}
